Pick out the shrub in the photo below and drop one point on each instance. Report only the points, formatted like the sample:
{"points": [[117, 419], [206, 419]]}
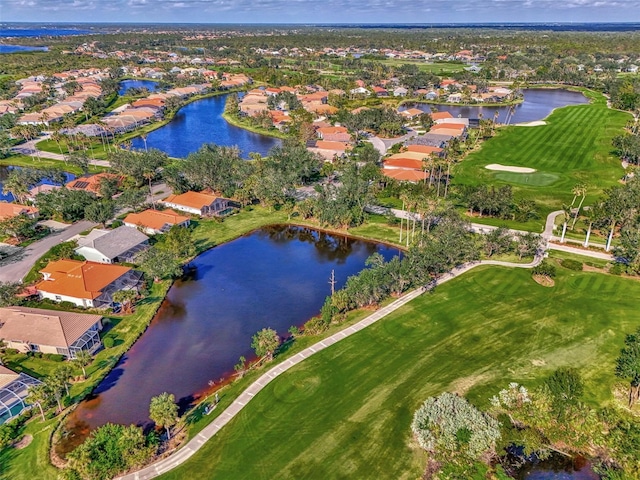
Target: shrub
{"points": [[116, 223], [572, 264], [449, 425], [545, 268], [108, 342], [54, 357], [617, 269]]}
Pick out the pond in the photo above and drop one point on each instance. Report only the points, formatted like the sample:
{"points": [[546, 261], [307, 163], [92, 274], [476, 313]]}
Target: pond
{"points": [[201, 122], [537, 105], [4, 173], [274, 277], [127, 84], [558, 467]]}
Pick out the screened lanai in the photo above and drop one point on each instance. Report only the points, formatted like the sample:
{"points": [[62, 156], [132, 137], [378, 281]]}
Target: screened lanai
{"points": [[14, 388]]}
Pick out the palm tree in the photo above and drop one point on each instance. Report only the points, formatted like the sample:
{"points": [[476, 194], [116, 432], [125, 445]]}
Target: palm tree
{"points": [[38, 395], [83, 359], [164, 411], [589, 213], [126, 299], [566, 210], [582, 190]]}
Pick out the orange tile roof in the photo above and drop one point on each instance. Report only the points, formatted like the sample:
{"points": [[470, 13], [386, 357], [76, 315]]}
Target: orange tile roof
{"points": [[405, 175], [332, 130], [191, 199], [10, 210], [78, 279], [155, 219], [90, 183], [423, 149], [338, 146], [441, 115], [406, 163], [451, 126]]}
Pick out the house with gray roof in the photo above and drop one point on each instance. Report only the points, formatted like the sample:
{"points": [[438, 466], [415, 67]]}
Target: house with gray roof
{"points": [[14, 390], [122, 244], [49, 331]]}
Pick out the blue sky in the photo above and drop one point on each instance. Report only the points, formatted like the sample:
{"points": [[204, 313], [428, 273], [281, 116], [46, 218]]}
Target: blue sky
{"points": [[316, 11]]}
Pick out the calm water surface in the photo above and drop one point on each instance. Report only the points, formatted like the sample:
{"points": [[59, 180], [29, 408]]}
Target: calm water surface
{"points": [[20, 48], [127, 84], [275, 277], [558, 468], [201, 122], [537, 105]]}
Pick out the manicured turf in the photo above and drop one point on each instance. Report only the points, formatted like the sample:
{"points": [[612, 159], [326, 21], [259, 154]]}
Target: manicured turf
{"points": [[537, 179], [575, 146], [345, 412]]}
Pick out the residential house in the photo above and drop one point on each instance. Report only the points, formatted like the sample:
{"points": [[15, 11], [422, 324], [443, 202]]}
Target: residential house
{"points": [[440, 117], [400, 92], [198, 203], [423, 149], [411, 113], [10, 210], [359, 91], [380, 92], [330, 151], [156, 221], [122, 244], [50, 331], [334, 134], [86, 284], [91, 183], [14, 389]]}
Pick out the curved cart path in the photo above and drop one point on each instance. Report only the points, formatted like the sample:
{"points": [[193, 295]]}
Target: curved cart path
{"points": [[183, 454]]}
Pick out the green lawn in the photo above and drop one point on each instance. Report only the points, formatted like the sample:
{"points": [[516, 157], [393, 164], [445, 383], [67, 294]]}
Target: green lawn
{"points": [[30, 162], [574, 147], [33, 461], [439, 68], [345, 412]]}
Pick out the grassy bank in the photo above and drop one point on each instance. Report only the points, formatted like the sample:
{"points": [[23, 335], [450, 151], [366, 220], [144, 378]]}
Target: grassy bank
{"points": [[574, 147], [246, 125], [345, 412]]}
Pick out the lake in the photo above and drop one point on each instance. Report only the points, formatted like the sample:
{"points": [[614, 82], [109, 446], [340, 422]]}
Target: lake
{"points": [[537, 105], [20, 48], [127, 84], [40, 32], [274, 277], [4, 173], [201, 122]]}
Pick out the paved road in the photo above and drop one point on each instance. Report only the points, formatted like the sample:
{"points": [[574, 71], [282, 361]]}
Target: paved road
{"points": [[183, 454], [552, 242], [14, 268]]}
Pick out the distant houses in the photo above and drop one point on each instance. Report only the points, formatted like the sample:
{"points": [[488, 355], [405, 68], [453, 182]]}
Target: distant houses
{"points": [[49, 331], [198, 203], [91, 183], [86, 284], [122, 244]]}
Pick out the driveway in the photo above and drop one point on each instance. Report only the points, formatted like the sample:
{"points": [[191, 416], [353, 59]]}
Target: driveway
{"points": [[15, 267], [29, 149]]}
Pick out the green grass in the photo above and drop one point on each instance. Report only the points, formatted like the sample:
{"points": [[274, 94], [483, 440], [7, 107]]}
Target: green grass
{"points": [[437, 67], [345, 412], [33, 461], [574, 147], [537, 179], [29, 162]]}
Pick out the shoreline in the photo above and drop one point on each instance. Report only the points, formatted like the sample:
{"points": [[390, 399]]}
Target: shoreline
{"points": [[200, 395]]}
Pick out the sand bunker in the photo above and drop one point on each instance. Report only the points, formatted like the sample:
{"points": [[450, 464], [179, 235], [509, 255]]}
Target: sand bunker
{"points": [[507, 168], [535, 123]]}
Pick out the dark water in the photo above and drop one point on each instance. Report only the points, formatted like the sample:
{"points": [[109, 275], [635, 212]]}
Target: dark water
{"points": [[39, 32], [20, 48], [4, 173], [201, 122], [127, 84], [275, 277], [558, 467], [537, 105]]}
